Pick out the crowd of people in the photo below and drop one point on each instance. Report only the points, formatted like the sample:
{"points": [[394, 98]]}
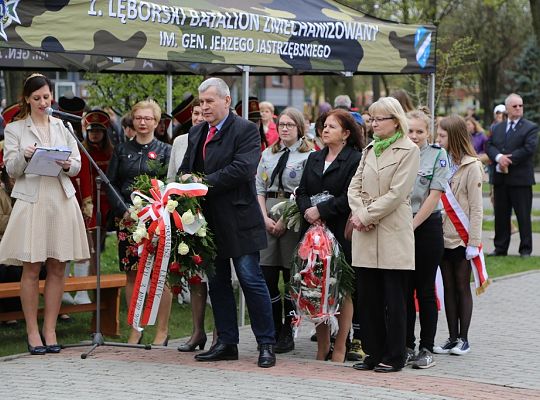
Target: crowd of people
{"points": [[394, 189]]}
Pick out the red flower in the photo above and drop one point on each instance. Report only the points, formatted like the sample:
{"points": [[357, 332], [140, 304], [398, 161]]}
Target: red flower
{"points": [[174, 267], [195, 280], [176, 289], [331, 301], [122, 235], [152, 155], [197, 259]]}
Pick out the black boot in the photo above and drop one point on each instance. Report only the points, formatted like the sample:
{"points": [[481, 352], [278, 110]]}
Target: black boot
{"points": [[285, 342]]}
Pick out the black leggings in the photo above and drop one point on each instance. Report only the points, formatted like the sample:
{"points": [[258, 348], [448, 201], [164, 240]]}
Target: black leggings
{"points": [[458, 303], [281, 307], [429, 247]]}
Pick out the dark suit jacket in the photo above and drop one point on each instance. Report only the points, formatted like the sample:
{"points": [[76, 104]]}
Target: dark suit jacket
{"points": [[521, 143], [231, 207], [335, 180]]}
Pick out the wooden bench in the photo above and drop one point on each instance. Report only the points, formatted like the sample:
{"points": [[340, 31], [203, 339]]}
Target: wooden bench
{"points": [[111, 286]]}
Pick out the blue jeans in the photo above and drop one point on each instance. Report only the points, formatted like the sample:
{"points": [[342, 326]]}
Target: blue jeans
{"points": [[256, 294]]}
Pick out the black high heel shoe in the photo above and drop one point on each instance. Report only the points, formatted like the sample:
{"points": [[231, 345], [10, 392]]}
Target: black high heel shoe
{"points": [[165, 342], [51, 348], [189, 347], [36, 350]]}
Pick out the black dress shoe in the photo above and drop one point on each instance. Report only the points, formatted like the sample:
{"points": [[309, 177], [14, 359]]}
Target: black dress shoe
{"points": [[51, 348], [189, 347], [267, 358], [219, 352], [362, 366], [37, 350], [386, 368]]}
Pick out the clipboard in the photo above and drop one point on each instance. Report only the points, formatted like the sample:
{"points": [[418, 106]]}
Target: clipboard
{"points": [[43, 161]]}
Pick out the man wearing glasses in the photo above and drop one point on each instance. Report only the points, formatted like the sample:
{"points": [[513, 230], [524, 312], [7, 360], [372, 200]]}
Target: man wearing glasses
{"points": [[511, 148]]}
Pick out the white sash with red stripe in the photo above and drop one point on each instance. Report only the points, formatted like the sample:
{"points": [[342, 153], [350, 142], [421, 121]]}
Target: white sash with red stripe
{"points": [[461, 223]]}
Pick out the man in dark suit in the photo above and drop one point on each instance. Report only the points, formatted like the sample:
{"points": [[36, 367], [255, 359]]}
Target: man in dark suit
{"points": [[226, 150], [511, 147]]}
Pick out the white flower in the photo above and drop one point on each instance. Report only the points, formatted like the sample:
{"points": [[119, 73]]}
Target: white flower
{"points": [[332, 281], [201, 232], [188, 218], [140, 233], [134, 216], [171, 205], [137, 202], [183, 249], [297, 277]]}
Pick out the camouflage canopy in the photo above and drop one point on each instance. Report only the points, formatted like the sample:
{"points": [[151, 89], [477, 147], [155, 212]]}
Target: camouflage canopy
{"points": [[209, 36]]}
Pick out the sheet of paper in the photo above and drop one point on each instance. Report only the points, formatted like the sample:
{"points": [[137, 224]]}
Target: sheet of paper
{"points": [[43, 162]]}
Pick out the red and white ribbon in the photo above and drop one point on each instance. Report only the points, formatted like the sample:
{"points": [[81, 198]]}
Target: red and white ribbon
{"points": [[155, 250], [461, 223]]}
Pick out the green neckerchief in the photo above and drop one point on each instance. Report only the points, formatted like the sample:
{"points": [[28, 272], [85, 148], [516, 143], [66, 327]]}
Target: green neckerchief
{"points": [[381, 145]]}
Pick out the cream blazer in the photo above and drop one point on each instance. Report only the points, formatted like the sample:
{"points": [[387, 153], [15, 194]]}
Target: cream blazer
{"points": [[379, 194], [466, 185], [20, 134]]}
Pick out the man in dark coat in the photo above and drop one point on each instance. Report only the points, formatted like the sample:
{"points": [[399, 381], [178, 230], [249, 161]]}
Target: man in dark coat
{"points": [[512, 147], [226, 150]]}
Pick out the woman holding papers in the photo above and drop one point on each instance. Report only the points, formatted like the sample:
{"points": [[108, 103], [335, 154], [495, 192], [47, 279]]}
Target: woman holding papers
{"points": [[46, 225], [462, 227]]}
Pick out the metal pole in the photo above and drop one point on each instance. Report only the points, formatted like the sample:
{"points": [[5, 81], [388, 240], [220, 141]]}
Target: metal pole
{"points": [[245, 91], [169, 102], [431, 100]]}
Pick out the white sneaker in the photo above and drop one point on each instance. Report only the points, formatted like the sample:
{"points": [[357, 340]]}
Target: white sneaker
{"points": [[82, 298], [446, 347], [67, 298], [462, 347]]}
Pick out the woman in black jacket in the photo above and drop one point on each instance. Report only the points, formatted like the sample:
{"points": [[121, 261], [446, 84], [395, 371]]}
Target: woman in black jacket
{"points": [[331, 169], [129, 160]]}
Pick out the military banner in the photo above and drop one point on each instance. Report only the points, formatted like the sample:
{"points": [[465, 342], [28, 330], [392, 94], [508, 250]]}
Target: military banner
{"points": [[298, 36]]}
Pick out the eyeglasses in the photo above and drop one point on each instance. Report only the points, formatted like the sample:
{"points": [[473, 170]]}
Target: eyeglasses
{"points": [[517, 106], [288, 125], [380, 119], [147, 119]]}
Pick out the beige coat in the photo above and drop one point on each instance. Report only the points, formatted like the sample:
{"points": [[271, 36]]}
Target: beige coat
{"points": [[22, 133], [466, 185], [379, 194]]}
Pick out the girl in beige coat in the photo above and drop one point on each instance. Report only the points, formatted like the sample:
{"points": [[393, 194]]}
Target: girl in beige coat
{"points": [[466, 184], [383, 239]]}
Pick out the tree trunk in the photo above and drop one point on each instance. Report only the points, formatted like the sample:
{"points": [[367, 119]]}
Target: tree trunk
{"points": [[488, 74], [376, 83], [535, 13], [14, 83]]}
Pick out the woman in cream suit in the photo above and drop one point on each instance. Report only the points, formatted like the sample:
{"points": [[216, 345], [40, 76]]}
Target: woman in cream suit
{"points": [[383, 238], [46, 224]]}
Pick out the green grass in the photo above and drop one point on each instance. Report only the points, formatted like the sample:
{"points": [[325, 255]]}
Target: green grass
{"points": [[501, 266], [486, 187], [489, 211], [13, 339], [490, 226]]}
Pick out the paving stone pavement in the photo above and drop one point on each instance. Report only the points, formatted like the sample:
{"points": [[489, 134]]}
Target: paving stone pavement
{"points": [[504, 364]]}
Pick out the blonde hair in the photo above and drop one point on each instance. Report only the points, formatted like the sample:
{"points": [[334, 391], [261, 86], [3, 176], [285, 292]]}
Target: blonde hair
{"points": [[389, 105], [422, 114], [266, 104], [148, 103]]}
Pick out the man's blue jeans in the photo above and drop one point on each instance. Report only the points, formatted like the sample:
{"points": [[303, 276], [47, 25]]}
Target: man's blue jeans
{"points": [[257, 297]]}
